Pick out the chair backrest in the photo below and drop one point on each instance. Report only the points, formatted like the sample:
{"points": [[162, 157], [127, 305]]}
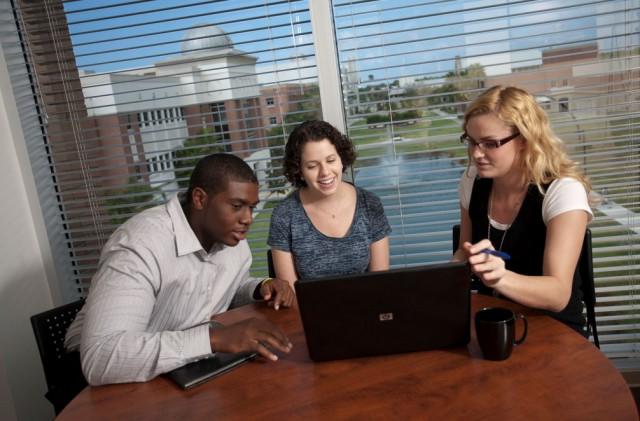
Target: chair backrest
{"points": [[455, 237], [62, 369], [272, 271], [585, 268]]}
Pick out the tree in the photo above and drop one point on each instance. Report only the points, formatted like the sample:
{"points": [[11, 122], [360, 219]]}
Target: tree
{"points": [[471, 78], [447, 96], [414, 97], [194, 148], [459, 88], [124, 202], [307, 108], [396, 115], [374, 97]]}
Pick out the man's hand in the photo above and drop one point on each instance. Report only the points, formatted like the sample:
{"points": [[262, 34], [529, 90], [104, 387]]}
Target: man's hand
{"points": [[277, 292], [256, 335]]}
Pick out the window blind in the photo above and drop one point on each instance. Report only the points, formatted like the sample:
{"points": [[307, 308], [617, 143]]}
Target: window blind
{"points": [[129, 95], [408, 70], [119, 98]]}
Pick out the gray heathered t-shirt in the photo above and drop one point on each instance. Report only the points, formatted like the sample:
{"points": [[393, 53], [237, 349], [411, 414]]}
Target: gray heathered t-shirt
{"points": [[315, 254]]}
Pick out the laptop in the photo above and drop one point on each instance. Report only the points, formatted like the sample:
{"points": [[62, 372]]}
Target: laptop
{"points": [[200, 371], [378, 313]]}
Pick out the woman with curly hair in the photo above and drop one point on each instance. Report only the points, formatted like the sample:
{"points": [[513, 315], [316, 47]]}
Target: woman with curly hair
{"points": [[523, 196], [327, 226]]}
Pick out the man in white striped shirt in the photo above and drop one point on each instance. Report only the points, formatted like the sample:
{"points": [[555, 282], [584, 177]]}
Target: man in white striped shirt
{"points": [[165, 272]]}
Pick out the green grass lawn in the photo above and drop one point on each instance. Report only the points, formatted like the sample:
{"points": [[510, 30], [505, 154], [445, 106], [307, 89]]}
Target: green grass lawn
{"points": [[257, 238], [418, 137]]}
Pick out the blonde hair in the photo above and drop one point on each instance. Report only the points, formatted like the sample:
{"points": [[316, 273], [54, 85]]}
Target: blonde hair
{"points": [[544, 157]]}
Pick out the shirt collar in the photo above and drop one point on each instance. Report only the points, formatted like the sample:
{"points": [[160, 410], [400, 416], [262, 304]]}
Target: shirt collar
{"points": [[186, 240]]}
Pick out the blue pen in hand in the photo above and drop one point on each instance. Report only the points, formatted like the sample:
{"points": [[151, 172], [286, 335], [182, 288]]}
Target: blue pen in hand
{"points": [[497, 253]]}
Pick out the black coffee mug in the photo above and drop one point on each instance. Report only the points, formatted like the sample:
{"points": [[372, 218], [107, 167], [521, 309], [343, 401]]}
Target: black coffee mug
{"points": [[496, 331]]}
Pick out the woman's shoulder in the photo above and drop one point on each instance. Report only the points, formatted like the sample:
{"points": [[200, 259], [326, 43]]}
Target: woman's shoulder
{"points": [[291, 199], [468, 177], [465, 186], [369, 201], [470, 172], [288, 204], [563, 195], [565, 184], [367, 195]]}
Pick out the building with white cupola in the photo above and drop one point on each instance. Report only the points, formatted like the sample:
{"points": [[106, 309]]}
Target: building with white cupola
{"points": [[209, 91]]}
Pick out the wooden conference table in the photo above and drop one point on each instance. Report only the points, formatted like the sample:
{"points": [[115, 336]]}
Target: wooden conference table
{"points": [[555, 374]]}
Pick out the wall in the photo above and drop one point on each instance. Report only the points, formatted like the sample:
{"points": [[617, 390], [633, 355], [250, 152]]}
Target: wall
{"points": [[26, 271]]}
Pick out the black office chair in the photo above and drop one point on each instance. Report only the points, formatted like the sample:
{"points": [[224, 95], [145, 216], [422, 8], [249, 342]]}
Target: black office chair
{"points": [[272, 271], [62, 369], [585, 268]]}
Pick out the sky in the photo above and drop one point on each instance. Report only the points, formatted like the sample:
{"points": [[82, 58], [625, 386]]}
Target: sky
{"points": [[387, 38]]}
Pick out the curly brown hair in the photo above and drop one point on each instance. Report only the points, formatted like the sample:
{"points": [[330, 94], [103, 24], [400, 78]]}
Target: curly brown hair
{"points": [[314, 130]]}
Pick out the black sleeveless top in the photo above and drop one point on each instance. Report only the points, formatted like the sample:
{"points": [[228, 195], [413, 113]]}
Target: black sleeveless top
{"points": [[524, 241]]}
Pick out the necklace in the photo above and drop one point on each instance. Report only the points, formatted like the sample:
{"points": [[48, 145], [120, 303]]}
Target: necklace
{"points": [[504, 234], [330, 213]]}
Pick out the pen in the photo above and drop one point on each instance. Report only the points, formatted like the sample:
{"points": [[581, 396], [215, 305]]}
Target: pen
{"points": [[498, 253]]}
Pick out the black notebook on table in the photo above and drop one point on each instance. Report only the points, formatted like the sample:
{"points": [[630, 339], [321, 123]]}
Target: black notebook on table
{"points": [[200, 371]]}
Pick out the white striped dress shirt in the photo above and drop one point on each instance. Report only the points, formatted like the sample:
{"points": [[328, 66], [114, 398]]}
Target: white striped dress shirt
{"points": [[154, 283]]}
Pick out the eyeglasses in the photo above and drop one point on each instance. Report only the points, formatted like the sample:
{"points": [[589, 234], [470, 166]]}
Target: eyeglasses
{"points": [[489, 145]]}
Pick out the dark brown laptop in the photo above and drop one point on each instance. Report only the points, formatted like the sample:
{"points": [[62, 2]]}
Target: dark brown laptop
{"points": [[376, 313]]}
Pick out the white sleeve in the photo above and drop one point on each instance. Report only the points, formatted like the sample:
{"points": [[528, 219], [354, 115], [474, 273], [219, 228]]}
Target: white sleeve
{"points": [[466, 186], [564, 195]]}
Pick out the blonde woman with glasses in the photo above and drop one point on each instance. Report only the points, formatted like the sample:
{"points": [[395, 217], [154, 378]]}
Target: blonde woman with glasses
{"points": [[524, 206]]}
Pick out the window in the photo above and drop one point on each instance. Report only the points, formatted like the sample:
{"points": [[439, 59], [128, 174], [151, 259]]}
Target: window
{"points": [[406, 71], [423, 62], [185, 62], [563, 105]]}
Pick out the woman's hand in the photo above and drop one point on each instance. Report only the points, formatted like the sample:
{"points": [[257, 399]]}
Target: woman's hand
{"points": [[490, 269]]}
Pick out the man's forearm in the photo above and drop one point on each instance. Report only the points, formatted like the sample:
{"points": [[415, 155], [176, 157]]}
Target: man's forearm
{"points": [[139, 356]]}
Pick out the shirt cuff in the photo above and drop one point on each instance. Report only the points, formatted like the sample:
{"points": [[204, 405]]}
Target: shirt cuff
{"points": [[197, 342], [255, 282]]}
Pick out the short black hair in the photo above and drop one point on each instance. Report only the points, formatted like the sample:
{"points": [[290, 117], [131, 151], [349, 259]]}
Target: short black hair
{"points": [[213, 172], [314, 130]]}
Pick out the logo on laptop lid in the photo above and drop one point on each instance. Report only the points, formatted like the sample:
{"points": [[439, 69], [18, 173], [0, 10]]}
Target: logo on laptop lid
{"points": [[385, 317]]}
